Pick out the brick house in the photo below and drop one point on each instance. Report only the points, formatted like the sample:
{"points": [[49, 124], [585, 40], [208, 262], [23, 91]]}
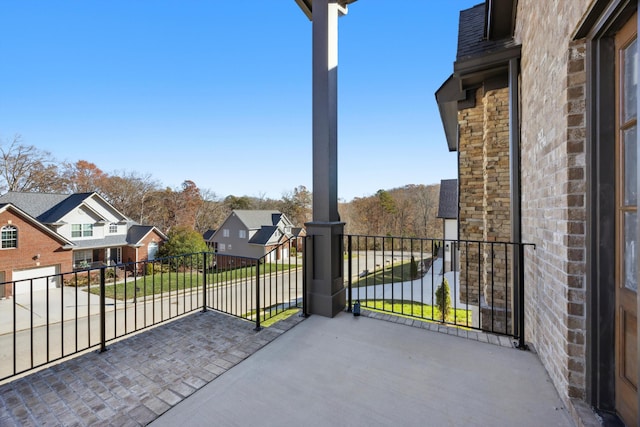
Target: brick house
{"points": [[541, 108], [95, 232], [29, 249]]}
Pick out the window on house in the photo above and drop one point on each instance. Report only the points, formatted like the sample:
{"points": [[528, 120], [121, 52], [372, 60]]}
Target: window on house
{"points": [[225, 232], [221, 247], [81, 230], [82, 259], [113, 228], [229, 246], [242, 234], [9, 237]]}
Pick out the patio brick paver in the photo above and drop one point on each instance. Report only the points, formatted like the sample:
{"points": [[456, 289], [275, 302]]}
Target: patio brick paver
{"points": [[139, 377]]}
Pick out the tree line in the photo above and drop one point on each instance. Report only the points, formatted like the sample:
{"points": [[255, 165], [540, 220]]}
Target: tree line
{"points": [[406, 211]]}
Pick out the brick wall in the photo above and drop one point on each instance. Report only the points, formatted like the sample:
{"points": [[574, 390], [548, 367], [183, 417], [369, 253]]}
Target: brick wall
{"points": [[31, 241], [130, 254], [553, 186]]}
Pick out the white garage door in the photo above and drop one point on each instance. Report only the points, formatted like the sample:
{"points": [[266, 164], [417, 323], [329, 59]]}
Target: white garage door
{"points": [[21, 278]]}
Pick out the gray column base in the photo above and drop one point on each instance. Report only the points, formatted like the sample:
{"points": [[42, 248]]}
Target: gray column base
{"points": [[327, 305], [326, 294]]}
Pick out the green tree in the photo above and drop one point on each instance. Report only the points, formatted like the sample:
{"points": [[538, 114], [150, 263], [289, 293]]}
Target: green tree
{"points": [[296, 205], [184, 241], [232, 202], [443, 298]]}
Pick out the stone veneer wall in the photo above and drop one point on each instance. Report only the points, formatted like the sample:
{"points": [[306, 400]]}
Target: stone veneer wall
{"points": [[485, 205], [471, 196], [554, 187]]}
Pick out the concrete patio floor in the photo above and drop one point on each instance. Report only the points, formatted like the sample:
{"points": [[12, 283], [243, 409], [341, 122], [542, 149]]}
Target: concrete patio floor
{"points": [[360, 371], [210, 369]]}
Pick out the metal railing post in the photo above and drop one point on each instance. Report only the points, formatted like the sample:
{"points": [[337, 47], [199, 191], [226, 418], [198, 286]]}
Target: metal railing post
{"points": [[103, 304], [349, 270], [305, 266], [204, 282], [520, 271], [257, 328]]}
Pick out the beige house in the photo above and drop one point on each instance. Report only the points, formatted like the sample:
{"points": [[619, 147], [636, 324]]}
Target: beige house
{"points": [[542, 110]]}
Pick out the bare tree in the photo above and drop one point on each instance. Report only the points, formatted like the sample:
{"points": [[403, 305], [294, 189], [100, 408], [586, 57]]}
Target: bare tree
{"points": [[127, 192], [84, 176], [26, 168], [211, 213]]}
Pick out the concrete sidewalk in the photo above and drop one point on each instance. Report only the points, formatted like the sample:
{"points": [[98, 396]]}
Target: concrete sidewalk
{"points": [[351, 371]]}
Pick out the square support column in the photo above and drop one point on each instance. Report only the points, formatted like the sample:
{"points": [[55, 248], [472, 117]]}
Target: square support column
{"points": [[325, 293]]}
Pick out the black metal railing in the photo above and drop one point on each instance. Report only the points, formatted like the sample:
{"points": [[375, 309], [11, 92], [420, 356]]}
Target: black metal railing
{"points": [[53, 317], [471, 284], [259, 289]]}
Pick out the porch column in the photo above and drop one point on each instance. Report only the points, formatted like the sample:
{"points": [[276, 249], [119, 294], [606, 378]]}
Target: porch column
{"points": [[325, 282]]}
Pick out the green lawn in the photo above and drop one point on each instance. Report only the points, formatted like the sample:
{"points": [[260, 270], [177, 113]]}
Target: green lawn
{"points": [[398, 272], [416, 309], [280, 316], [177, 281]]}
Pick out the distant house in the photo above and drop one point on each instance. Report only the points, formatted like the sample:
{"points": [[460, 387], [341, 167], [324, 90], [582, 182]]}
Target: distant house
{"points": [[29, 249], [98, 232], [253, 234], [448, 211]]}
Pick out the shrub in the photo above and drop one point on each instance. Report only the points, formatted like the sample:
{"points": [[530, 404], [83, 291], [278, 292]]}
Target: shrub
{"points": [[443, 299], [182, 242], [414, 268]]}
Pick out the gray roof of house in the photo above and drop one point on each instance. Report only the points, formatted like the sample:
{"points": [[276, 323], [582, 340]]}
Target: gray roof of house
{"points": [[448, 206], [35, 204], [133, 237], [471, 35], [263, 235], [107, 241], [255, 219], [208, 234], [61, 209], [136, 232]]}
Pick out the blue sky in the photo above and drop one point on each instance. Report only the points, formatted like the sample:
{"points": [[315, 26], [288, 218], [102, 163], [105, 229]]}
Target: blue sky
{"points": [[219, 92]]}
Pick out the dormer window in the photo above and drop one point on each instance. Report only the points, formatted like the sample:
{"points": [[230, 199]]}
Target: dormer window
{"points": [[9, 237], [113, 228], [81, 230]]}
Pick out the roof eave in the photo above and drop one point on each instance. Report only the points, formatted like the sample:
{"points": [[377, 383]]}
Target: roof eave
{"points": [[478, 68], [307, 7], [447, 97]]}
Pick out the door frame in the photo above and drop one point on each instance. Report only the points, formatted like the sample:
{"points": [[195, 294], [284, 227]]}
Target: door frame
{"points": [[599, 27]]}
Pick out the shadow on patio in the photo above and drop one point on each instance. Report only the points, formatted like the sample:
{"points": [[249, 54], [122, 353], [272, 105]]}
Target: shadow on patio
{"points": [[341, 371]]}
